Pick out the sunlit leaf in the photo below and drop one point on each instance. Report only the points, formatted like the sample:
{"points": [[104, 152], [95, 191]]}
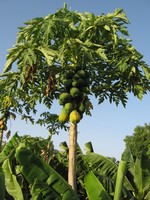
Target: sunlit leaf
{"points": [[94, 188], [49, 54], [12, 186], [107, 27]]}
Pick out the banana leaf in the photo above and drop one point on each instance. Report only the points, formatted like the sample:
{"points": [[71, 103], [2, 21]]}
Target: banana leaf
{"points": [[44, 181], [2, 184], [9, 148], [120, 179], [142, 177], [139, 169], [89, 147], [94, 188], [12, 186], [105, 167]]}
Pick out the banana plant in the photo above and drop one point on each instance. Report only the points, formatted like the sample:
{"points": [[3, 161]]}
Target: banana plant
{"points": [[26, 175], [97, 168], [133, 175], [140, 176], [29, 166], [111, 175], [9, 186], [44, 181]]}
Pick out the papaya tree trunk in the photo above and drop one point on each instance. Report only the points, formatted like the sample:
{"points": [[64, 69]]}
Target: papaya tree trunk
{"points": [[1, 139], [72, 155]]}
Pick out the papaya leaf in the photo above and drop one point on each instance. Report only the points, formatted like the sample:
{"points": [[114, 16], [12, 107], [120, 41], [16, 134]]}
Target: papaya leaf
{"points": [[13, 55], [49, 54]]}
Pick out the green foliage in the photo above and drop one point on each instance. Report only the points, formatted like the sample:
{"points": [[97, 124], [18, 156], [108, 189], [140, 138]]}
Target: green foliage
{"points": [[45, 181], [32, 164], [24, 160], [139, 141], [89, 147], [12, 185], [2, 185], [95, 189], [120, 179], [137, 172], [51, 120], [106, 171], [103, 168], [141, 177], [9, 148]]}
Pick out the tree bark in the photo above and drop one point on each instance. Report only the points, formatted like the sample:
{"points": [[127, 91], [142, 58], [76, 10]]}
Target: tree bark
{"points": [[1, 139], [72, 155]]}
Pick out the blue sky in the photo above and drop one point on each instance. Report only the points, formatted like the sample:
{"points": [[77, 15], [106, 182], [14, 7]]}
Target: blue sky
{"points": [[109, 124]]}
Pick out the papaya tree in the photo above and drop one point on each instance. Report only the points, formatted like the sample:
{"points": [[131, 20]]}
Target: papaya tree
{"points": [[69, 56]]}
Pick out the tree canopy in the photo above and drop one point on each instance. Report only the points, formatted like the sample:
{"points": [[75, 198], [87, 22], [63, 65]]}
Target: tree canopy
{"points": [[139, 141]]}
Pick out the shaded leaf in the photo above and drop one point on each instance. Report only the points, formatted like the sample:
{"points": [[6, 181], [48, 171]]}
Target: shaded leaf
{"points": [[2, 184]]}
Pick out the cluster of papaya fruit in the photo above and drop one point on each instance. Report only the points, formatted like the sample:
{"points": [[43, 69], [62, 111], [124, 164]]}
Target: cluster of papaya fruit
{"points": [[73, 96], [3, 122]]}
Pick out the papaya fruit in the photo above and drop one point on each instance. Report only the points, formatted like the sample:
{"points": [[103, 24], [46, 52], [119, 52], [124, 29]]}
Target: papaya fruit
{"points": [[75, 83], [81, 73], [74, 117], [67, 83], [68, 107], [1, 122], [2, 127], [63, 116], [75, 92], [64, 98], [81, 107], [81, 82], [69, 74]]}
